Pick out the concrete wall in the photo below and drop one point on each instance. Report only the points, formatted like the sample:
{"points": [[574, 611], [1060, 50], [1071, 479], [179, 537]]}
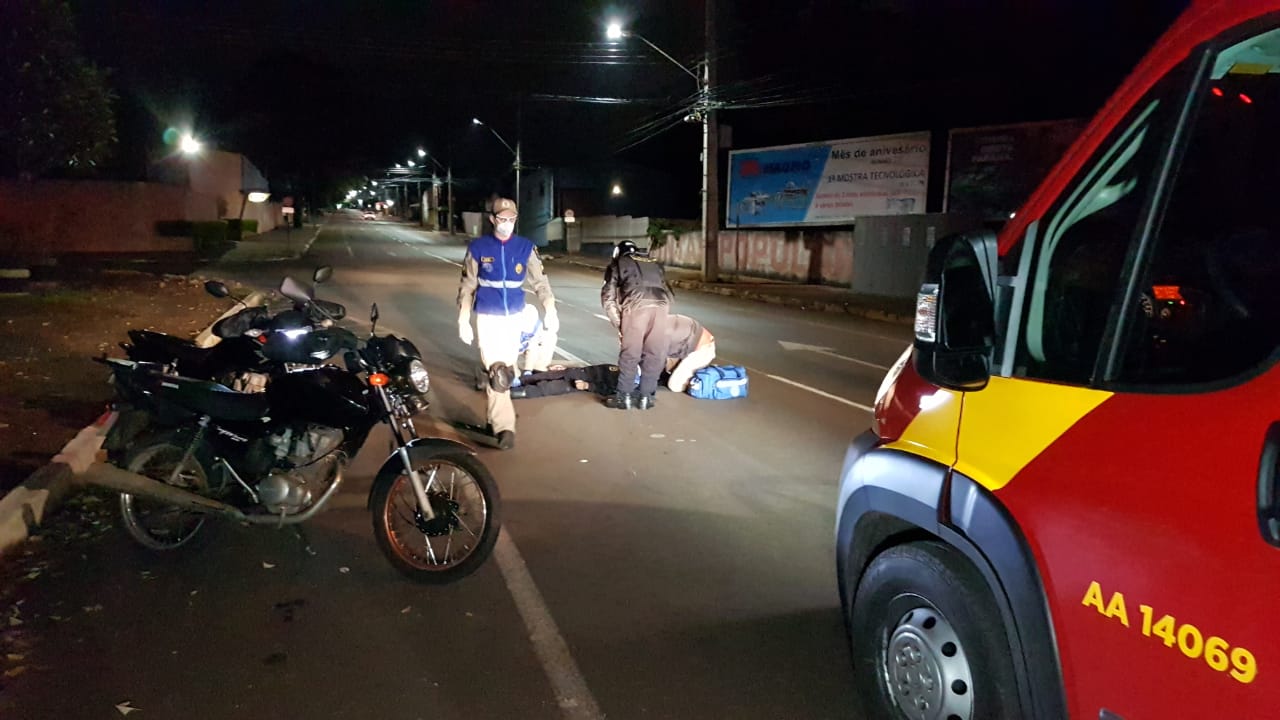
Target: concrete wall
{"points": [[891, 250], [814, 256], [224, 175], [537, 206], [43, 219], [880, 256], [268, 214], [473, 224], [598, 234]]}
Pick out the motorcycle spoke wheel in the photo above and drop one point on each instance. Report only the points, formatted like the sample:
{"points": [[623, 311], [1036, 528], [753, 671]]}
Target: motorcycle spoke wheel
{"points": [[157, 525], [459, 537], [455, 496]]}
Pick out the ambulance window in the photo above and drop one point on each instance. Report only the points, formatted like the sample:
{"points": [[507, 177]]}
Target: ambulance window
{"points": [[1209, 308], [1085, 238]]}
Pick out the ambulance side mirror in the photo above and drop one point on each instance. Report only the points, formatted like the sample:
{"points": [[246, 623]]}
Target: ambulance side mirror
{"points": [[955, 312]]}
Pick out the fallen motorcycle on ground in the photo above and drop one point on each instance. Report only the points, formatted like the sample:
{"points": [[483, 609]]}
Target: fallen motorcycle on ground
{"points": [[240, 352], [188, 450]]}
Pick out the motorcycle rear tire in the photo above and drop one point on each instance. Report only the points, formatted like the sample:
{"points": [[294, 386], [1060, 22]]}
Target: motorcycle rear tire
{"points": [[392, 499], [172, 444]]}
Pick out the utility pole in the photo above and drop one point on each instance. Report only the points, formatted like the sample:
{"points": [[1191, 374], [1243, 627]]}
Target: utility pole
{"points": [[449, 223], [434, 222], [710, 159], [519, 137]]}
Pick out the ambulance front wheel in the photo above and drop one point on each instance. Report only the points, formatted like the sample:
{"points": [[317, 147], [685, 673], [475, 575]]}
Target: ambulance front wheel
{"points": [[928, 641]]}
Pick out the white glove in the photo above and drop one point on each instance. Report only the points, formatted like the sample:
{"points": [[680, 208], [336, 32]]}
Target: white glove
{"points": [[465, 333], [552, 322]]}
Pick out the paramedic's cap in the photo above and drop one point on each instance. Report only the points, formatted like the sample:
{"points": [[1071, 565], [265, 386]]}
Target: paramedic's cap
{"points": [[504, 205]]}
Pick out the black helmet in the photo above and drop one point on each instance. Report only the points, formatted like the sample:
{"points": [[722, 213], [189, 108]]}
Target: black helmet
{"points": [[626, 247]]}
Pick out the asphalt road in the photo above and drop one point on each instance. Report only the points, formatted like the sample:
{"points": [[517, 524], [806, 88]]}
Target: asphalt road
{"points": [[673, 563]]}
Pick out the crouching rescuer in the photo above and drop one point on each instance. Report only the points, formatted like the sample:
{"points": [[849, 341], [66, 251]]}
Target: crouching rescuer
{"points": [[494, 273]]}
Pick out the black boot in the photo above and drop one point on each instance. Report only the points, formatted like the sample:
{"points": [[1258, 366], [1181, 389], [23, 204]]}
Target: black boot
{"points": [[645, 402], [620, 401]]}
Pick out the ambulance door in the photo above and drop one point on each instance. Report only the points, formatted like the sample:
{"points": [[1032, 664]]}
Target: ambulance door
{"points": [[1142, 366]]}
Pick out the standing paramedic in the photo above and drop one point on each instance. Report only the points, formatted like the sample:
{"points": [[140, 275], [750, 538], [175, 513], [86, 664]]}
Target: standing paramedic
{"points": [[636, 299], [494, 272]]}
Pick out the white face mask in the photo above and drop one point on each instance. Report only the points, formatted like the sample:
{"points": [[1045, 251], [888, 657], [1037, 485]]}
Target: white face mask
{"points": [[503, 229]]}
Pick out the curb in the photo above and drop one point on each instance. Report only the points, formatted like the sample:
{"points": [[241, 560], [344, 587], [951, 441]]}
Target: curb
{"points": [[776, 299], [306, 246], [26, 506]]}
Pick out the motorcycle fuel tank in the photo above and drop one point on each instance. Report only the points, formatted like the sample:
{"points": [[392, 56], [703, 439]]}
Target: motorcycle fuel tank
{"points": [[327, 395]]}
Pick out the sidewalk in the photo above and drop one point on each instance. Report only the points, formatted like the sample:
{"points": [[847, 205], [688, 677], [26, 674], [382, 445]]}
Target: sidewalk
{"points": [[823, 298], [283, 243]]}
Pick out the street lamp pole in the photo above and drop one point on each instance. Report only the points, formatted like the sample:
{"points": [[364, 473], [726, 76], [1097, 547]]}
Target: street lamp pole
{"points": [[710, 159], [514, 150], [448, 180], [710, 140]]}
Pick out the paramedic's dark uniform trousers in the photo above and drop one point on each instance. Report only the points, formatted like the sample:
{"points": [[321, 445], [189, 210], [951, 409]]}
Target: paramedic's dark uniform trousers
{"points": [[644, 343]]}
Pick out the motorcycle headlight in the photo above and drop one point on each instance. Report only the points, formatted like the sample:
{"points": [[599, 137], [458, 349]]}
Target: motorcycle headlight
{"points": [[418, 376]]}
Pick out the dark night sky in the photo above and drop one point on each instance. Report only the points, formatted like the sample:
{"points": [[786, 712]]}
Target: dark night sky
{"points": [[320, 90]]}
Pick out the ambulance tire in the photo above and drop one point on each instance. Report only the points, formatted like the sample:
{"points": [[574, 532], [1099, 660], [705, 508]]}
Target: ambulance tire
{"points": [[923, 615]]}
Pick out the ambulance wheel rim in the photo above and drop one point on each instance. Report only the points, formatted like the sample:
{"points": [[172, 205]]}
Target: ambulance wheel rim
{"points": [[925, 668]]}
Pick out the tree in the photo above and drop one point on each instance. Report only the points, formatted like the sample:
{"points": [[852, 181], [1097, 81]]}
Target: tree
{"points": [[56, 110]]}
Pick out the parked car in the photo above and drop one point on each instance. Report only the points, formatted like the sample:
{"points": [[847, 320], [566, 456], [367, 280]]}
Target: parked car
{"points": [[1069, 503], [369, 215]]}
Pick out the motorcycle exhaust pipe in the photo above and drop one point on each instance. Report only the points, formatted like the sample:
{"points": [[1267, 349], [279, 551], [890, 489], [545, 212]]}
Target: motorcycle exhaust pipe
{"points": [[125, 481]]}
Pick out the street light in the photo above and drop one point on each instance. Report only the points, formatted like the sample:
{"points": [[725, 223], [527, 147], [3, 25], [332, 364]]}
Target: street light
{"points": [[615, 32], [189, 145], [515, 151], [710, 141], [617, 190], [422, 153]]}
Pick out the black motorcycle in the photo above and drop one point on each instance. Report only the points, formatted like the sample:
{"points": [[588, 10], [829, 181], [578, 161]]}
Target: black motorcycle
{"points": [[186, 449], [241, 357]]}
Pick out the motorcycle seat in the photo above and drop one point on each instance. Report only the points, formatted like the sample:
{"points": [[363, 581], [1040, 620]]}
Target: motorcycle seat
{"points": [[154, 346], [218, 401]]}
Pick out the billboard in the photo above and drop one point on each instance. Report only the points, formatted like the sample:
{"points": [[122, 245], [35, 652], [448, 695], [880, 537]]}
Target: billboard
{"points": [[828, 183], [992, 170]]}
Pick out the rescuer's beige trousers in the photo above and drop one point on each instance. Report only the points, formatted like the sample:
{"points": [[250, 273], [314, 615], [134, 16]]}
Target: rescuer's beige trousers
{"points": [[498, 339]]}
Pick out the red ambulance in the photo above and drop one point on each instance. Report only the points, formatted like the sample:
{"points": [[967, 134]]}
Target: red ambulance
{"points": [[1069, 504]]}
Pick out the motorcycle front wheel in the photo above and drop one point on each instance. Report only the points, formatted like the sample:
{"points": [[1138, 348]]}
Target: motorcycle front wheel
{"points": [[153, 524], [454, 543]]}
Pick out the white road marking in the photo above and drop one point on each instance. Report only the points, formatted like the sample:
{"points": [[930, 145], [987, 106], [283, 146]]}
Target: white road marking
{"points": [[569, 356], [445, 259], [816, 391], [829, 352], [575, 306], [602, 317], [572, 693], [349, 250], [904, 338]]}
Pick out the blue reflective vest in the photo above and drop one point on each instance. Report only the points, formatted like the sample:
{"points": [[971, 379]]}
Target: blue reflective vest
{"points": [[501, 269]]}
